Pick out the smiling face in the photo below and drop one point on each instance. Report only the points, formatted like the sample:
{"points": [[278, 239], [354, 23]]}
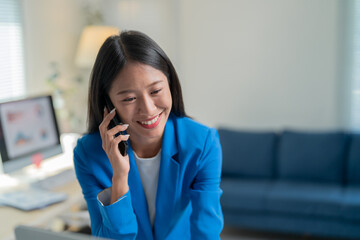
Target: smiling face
{"points": [[142, 98]]}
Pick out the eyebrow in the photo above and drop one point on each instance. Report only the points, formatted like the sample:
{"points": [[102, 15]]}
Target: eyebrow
{"points": [[129, 90]]}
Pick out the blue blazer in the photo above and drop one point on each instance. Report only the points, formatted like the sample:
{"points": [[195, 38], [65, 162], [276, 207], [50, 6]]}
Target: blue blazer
{"points": [[188, 193]]}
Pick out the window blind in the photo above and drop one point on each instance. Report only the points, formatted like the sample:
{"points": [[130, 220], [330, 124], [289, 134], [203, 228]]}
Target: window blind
{"points": [[12, 82], [355, 94]]}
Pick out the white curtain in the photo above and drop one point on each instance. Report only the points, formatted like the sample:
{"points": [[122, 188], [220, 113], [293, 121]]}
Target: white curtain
{"points": [[355, 74], [12, 83]]}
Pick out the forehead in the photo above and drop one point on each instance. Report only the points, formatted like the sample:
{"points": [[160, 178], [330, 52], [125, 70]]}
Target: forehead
{"points": [[136, 75]]}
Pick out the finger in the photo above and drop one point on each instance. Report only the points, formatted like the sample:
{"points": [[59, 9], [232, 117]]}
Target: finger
{"points": [[115, 142], [121, 138], [106, 120], [103, 127], [109, 115], [110, 134], [118, 128]]}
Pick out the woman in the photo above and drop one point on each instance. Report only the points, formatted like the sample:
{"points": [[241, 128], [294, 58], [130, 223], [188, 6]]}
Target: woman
{"points": [[167, 186]]}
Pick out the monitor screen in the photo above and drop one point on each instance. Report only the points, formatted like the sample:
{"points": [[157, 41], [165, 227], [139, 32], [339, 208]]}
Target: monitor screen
{"points": [[28, 130]]}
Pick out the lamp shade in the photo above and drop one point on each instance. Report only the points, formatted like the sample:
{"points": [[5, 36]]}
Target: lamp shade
{"points": [[92, 37]]}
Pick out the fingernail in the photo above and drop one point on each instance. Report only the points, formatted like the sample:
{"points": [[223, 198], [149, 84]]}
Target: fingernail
{"points": [[125, 125], [112, 110], [127, 135]]}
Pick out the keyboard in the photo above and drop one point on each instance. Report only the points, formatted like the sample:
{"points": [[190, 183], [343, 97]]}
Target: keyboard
{"points": [[58, 180], [31, 198], [39, 194]]}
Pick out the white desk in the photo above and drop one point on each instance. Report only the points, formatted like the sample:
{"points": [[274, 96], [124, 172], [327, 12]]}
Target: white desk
{"points": [[11, 217]]}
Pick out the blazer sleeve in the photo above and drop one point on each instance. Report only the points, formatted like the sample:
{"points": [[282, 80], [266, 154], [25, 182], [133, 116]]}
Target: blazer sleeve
{"points": [[205, 192], [117, 220]]}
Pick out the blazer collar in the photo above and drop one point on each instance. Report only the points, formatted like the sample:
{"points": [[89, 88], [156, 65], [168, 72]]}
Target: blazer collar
{"points": [[166, 189], [138, 197]]}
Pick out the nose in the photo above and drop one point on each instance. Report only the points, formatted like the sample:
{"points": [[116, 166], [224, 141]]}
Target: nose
{"points": [[147, 106]]}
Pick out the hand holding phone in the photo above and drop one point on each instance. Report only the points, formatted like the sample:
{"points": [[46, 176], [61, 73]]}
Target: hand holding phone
{"points": [[123, 146]]}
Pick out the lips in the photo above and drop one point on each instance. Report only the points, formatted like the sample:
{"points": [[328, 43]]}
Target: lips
{"points": [[152, 122]]}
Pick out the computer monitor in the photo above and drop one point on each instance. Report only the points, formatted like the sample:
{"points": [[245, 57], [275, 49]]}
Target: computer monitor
{"points": [[28, 132]]}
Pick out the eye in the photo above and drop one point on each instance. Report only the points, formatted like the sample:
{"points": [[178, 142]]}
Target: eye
{"points": [[129, 99], [156, 91]]}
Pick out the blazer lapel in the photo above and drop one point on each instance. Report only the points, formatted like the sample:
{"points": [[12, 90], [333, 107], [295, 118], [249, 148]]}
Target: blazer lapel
{"points": [[167, 183], [138, 197]]}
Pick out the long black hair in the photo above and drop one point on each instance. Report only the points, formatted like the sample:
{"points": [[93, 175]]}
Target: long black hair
{"points": [[115, 52]]}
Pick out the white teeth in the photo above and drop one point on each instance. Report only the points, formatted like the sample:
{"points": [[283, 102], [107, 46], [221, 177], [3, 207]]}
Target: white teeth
{"points": [[150, 122]]}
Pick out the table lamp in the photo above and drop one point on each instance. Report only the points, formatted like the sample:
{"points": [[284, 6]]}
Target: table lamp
{"points": [[92, 37]]}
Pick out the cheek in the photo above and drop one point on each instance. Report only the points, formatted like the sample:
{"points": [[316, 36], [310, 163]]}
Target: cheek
{"points": [[125, 113], [164, 102], [168, 99]]}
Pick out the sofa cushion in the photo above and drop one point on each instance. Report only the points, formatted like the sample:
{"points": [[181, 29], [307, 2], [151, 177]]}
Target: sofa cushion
{"points": [[248, 154], [315, 157], [351, 203], [244, 194], [307, 199], [353, 162]]}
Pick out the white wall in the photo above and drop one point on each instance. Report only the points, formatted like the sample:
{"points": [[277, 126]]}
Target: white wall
{"points": [[261, 64], [264, 64], [156, 18], [52, 29], [52, 32]]}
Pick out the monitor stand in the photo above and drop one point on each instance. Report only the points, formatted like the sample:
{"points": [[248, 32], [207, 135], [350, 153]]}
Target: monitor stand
{"points": [[13, 165]]}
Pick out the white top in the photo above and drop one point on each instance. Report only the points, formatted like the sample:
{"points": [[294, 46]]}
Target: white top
{"points": [[149, 174]]}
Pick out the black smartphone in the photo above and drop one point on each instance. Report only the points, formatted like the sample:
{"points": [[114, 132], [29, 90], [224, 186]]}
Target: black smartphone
{"points": [[123, 145]]}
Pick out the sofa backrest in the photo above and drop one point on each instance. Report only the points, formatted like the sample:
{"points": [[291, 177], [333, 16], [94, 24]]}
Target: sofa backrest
{"points": [[353, 162], [318, 157], [248, 154]]}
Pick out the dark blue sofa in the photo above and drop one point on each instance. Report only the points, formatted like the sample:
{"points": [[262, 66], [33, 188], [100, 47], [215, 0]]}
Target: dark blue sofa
{"points": [[292, 182]]}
